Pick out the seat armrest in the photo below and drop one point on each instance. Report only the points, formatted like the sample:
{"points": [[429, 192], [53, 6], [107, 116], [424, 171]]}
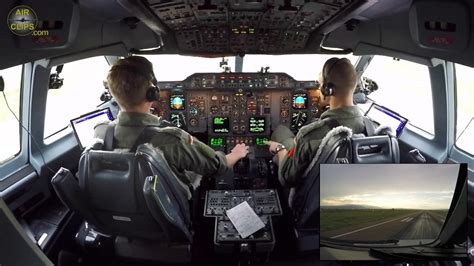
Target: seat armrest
{"points": [[68, 190]]}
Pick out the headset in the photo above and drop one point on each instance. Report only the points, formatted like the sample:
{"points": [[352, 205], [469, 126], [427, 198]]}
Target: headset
{"points": [[328, 88], [153, 93]]}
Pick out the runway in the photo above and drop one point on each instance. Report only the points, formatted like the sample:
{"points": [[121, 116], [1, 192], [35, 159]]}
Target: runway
{"points": [[418, 225]]}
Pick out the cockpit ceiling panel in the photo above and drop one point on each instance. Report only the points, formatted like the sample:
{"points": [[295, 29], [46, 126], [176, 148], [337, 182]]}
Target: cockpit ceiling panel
{"points": [[246, 26]]}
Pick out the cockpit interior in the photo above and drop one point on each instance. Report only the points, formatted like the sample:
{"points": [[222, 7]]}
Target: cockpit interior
{"points": [[231, 72]]}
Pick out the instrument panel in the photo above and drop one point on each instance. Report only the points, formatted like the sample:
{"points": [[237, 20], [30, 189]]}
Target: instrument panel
{"points": [[232, 108]]}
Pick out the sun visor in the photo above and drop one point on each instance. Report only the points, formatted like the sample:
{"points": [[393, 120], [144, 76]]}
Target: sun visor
{"points": [[46, 25], [440, 25]]}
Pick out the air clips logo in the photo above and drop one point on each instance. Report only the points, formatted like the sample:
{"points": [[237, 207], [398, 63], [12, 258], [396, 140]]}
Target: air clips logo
{"points": [[22, 21]]}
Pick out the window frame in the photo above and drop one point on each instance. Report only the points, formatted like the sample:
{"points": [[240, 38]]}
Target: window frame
{"points": [[437, 146], [10, 166], [65, 130], [20, 129], [455, 81], [414, 128]]}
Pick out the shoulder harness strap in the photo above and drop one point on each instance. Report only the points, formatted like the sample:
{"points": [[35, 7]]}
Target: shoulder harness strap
{"points": [[148, 133], [331, 122], [369, 126], [109, 137], [145, 136]]}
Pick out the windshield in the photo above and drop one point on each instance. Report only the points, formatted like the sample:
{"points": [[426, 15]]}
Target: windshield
{"points": [[300, 67], [383, 202]]}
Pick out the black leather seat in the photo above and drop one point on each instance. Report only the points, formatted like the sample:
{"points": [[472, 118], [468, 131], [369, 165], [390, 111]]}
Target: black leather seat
{"points": [[338, 146], [135, 197]]}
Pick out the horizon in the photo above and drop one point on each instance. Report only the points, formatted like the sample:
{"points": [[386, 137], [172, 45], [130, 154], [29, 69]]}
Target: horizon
{"points": [[380, 208], [404, 186]]}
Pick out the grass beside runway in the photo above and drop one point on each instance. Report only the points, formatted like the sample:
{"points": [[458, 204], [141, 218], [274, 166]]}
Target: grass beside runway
{"points": [[440, 213], [332, 219]]}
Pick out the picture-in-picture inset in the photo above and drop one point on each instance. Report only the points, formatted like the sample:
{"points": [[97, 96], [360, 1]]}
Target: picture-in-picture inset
{"points": [[377, 211]]}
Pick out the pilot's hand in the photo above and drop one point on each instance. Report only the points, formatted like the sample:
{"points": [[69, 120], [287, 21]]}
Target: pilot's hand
{"points": [[240, 150], [237, 153], [272, 146]]}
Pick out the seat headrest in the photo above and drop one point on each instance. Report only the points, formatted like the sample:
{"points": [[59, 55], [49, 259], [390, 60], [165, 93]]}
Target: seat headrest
{"points": [[375, 149], [106, 174]]}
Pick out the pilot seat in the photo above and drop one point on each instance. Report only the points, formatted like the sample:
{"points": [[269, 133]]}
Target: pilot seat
{"points": [[133, 197], [339, 146]]}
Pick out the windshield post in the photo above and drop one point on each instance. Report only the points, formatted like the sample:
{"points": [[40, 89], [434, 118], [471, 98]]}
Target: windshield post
{"points": [[239, 62]]}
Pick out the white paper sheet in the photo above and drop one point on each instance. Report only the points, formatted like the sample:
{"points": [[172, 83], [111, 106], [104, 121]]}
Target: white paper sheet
{"points": [[245, 219]]}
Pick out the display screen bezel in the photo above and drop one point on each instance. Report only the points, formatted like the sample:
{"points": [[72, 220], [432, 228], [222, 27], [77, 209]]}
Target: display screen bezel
{"points": [[293, 98], [214, 145], [98, 112], [264, 124], [173, 96], [403, 121], [227, 119]]}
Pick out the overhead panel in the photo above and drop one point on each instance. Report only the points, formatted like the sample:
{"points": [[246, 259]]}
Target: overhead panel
{"points": [[246, 26]]}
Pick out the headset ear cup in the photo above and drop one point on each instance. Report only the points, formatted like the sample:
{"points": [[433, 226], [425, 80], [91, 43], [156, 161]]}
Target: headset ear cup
{"points": [[328, 89], [153, 94]]}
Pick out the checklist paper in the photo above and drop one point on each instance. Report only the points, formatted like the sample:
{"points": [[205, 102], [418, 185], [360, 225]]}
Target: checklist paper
{"points": [[244, 219]]}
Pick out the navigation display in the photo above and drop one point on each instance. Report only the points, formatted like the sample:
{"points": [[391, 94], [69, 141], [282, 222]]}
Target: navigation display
{"points": [[386, 117], [177, 102], [220, 124], [300, 101], [257, 124]]}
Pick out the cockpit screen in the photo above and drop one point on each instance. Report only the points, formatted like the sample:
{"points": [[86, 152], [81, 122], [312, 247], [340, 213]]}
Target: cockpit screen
{"points": [[217, 142], [177, 102], [220, 124], [261, 141], [257, 124], [386, 117], [84, 125], [300, 101]]}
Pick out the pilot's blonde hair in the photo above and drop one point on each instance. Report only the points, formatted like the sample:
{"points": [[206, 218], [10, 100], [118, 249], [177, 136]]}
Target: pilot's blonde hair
{"points": [[129, 79], [341, 73]]}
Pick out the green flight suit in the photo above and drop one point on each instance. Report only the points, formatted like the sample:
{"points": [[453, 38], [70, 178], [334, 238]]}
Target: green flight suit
{"points": [[302, 148], [186, 155]]}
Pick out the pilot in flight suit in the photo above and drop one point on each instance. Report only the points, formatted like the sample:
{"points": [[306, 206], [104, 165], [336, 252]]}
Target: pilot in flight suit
{"points": [[129, 82], [295, 153]]}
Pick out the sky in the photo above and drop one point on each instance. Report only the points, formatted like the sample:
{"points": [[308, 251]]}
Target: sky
{"points": [[412, 186], [300, 67]]}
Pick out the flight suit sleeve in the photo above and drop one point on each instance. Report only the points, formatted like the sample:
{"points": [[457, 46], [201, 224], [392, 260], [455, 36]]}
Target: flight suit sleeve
{"points": [[296, 162], [192, 155]]}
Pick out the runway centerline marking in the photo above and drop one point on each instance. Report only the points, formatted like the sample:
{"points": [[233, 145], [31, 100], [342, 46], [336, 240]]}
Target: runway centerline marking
{"points": [[365, 228]]}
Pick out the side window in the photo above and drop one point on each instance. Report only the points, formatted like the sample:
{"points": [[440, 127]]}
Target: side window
{"points": [[465, 108], [83, 85], [404, 87], [10, 128]]}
